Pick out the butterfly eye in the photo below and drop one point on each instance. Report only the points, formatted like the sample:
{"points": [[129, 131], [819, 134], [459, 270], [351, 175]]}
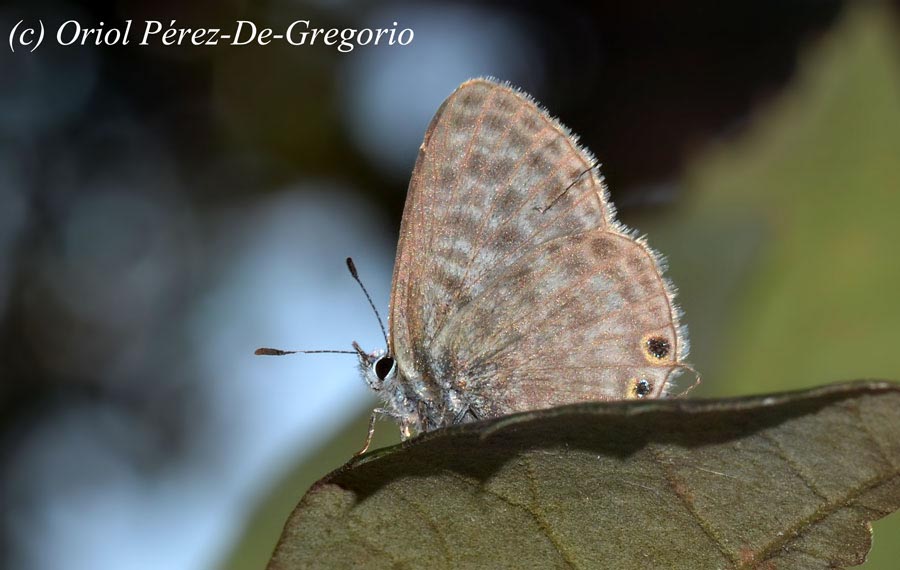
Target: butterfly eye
{"points": [[383, 367]]}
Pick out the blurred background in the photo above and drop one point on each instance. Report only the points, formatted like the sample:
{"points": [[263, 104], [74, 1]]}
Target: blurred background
{"points": [[164, 211]]}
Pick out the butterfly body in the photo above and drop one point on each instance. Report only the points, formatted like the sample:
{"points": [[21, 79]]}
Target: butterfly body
{"points": [[417, 405], [514, 286]]}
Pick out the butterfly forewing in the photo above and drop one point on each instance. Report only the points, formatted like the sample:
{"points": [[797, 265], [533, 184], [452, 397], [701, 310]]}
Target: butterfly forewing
{"points": [[513, 283], [491, 159]]}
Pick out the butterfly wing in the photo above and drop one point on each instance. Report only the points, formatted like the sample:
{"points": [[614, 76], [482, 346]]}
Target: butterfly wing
{"points": [[497, 188], [582, 317]]}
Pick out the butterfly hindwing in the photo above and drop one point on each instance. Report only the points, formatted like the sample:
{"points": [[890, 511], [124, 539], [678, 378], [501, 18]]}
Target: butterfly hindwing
{"points": [[570, 322]]}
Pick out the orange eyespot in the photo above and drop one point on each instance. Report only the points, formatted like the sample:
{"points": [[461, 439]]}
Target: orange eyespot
{"points": [[640, 388], [657, 347]]}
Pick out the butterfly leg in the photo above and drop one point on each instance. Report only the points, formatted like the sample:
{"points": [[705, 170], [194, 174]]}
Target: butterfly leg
{"points": [[460, 415], [375, 413], [466, 411]]}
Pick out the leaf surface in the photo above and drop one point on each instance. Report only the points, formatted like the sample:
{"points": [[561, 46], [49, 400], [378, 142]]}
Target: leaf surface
{"points": [[783, 481]]}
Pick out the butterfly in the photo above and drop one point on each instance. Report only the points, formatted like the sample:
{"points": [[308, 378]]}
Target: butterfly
{"points": [[514, 286]]}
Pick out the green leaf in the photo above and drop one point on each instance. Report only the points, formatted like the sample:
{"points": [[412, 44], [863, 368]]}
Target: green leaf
{"points": [[783, 481]]}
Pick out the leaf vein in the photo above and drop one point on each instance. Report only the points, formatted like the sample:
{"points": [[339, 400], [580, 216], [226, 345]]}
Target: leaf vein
{"points": [[435, 529], [544, 526], [363, 536], [679, 487], [795, 467], [541, 525], [873, 439], [818, 516]]}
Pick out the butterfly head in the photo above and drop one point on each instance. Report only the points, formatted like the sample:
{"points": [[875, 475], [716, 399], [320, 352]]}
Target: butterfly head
{"points": [[377, 367]]}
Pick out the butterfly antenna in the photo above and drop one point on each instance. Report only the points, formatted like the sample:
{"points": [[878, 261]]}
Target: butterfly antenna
{"points": [[352, 267], [278, 352], [362, 353]]}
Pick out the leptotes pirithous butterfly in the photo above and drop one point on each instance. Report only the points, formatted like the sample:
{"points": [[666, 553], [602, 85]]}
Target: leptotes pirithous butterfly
{"points": [[514, 286]]}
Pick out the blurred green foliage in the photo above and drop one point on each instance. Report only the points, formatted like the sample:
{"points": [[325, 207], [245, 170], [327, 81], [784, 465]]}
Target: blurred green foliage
{"points": [[784, 248], [801, 212]]}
